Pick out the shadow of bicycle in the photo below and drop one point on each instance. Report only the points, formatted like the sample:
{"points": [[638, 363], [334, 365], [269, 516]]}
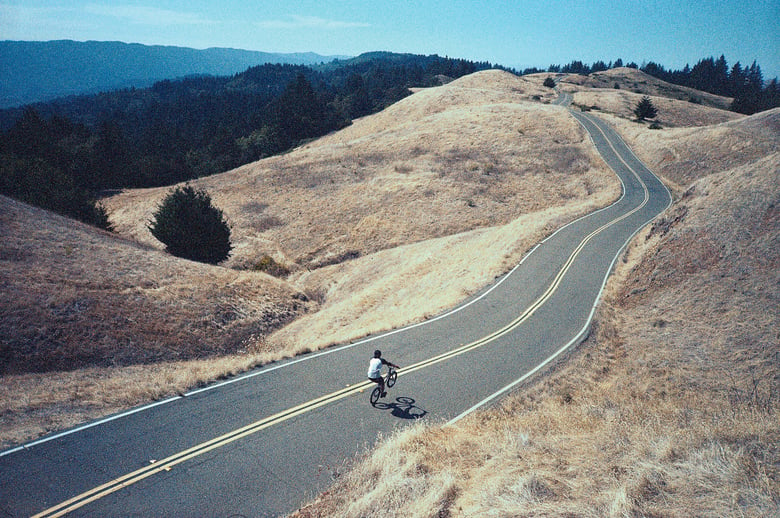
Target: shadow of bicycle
{"points": [[403, 408]]}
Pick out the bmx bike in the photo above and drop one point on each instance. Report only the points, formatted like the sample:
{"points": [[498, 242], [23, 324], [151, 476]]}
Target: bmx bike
{"points": [[390, 378]]}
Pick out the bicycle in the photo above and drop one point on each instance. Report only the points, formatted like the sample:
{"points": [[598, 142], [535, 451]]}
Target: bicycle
{"points": [[390, 378]]}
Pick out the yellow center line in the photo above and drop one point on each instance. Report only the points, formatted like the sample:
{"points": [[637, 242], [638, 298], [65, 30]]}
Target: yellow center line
{"points": [[245, 431]]}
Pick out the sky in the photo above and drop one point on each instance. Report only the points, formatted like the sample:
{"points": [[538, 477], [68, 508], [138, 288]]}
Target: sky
{"points": [[513, 33]]}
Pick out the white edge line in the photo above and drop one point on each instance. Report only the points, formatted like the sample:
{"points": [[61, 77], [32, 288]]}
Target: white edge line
{"points": [[88, 425]]}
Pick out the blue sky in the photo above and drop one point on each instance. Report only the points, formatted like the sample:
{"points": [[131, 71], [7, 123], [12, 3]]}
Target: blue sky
{"points": [[513, 33]]}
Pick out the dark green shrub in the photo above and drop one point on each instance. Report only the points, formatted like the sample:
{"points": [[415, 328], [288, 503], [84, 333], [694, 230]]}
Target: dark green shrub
{"points": [[549, 82], [191, 227], [645, 109]]}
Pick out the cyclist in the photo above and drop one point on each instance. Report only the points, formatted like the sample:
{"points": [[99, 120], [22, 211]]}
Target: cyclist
{"points": [[375, 370]]}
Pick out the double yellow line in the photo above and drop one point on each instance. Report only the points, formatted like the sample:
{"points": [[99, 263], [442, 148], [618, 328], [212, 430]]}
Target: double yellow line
{"points": [[167, 463]]}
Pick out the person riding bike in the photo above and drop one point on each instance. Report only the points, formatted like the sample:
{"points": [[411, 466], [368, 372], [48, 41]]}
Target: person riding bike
{"points": [[375, 370]]}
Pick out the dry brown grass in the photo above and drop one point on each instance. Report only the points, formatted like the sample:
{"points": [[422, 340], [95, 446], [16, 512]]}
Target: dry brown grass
{"points": [[661, 413], [81, 297], [458, 167], [671, 408], [672, 113], [471, 154], [412, 282], [683, 155], [637, 82]]}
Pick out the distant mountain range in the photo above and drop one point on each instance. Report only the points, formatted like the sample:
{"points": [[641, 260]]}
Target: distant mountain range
{"points": [[35, 71]]}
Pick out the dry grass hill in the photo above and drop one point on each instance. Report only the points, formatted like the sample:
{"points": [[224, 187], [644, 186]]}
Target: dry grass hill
{"points": [[637, 82], [396, 200], [669, 409]]}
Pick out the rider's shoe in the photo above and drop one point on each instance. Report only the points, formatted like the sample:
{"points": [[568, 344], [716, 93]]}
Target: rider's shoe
{"points": [[384, 394]]}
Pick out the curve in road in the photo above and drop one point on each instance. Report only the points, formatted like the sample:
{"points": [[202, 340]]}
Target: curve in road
{"points": [[258, 445]]}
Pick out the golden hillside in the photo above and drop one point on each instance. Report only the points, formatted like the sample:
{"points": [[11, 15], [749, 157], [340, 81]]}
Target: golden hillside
{"points": [[453, 182], [670, 408], [683, 155], [83, 297], [449, 170], [471, 154]]}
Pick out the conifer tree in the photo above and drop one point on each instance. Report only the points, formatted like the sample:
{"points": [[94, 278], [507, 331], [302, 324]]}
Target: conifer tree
{"points": [[191, 227], [645, 109]]}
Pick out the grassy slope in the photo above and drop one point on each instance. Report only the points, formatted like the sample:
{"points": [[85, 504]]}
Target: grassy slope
{"points": [[446, 171], [92, 323], [671, 408], [631, 425], [84, 297], [439, 170], [637, 82], [443, 161]]}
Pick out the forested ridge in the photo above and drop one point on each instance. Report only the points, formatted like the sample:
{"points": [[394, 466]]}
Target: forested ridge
{"points": [[39, 71], [61, 155]]}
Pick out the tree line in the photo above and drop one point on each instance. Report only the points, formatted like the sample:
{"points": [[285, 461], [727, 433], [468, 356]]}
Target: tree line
{"points": [[61, 155], [745, 84]]}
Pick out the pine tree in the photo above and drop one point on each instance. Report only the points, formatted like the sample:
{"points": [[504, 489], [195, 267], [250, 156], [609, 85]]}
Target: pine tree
{"points": [[645, 109]]}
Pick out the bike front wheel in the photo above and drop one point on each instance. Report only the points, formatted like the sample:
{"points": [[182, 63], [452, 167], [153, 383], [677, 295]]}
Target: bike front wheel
{"points": [[391, 377]]}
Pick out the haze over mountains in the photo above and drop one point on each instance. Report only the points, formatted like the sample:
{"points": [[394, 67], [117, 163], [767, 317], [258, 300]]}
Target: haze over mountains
{"points": [[35, 71]]}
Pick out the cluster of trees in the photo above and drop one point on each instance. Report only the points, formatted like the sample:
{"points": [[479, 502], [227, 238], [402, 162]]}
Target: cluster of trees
{"points": [[61, 155], [578, 67], [47, 163], [744, 83]]}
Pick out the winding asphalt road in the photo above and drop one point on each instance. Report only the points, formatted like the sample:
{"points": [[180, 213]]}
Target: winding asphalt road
{"points": [[264, 443]]}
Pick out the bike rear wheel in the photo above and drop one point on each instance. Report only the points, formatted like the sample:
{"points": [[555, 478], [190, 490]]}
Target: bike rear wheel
{"points": [[391, 377], [375, 395]]}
